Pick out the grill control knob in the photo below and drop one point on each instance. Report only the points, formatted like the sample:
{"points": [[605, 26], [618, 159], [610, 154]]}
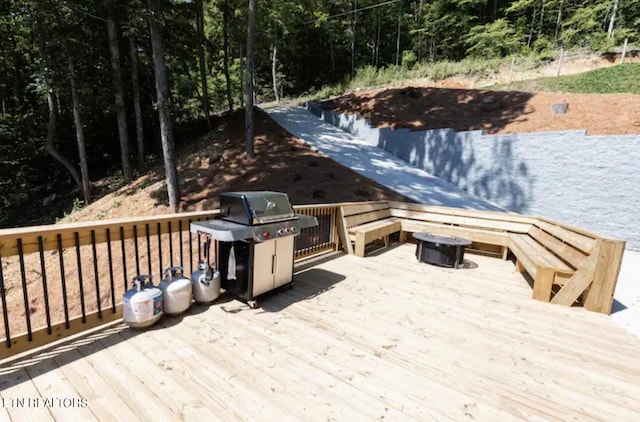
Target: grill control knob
{"points": [[294, 229], [281, 232]]}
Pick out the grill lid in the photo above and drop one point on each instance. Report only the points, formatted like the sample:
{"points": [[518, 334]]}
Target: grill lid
{"points": [[252, 208]]}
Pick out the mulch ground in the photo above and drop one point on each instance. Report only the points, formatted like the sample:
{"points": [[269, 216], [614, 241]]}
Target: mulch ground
{"points": [[420, 108]]}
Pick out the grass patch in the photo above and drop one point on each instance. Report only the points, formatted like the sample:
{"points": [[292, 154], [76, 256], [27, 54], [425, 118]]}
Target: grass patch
{"points": [[620, 79], [372, 77]]}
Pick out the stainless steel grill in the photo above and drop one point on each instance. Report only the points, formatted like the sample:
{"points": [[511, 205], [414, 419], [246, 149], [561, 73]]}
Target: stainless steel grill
{"points": [[256, 242]]}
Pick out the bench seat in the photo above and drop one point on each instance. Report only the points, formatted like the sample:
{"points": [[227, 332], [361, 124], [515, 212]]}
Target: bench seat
{"points": [[544, 266], [366, 233]]}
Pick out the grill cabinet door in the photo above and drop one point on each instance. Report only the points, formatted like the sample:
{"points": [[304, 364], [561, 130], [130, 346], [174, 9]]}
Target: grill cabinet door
{"points": [[263, 266], [284, 260]]}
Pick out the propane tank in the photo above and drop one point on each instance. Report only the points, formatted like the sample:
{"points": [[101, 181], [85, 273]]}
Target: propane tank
{"points": [[206, 283], [142, 304], [176, 291]]}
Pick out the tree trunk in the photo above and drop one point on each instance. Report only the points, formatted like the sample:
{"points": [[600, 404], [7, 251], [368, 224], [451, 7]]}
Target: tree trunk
{"points": [[612, 22], [77, 120], [558, 22], [353, 38], [51, 136], [119, 97], [398, 38], [201, 61], [164, 108], [541, 19], [135, 83], [332, 55], [225, 50], [378, 40], [274, 72], [52, 127], [241, 72], [251, 33], [533, 22]]}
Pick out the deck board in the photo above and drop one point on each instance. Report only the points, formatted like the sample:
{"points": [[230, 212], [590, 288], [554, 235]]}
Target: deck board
{"points": [[357, 338]]}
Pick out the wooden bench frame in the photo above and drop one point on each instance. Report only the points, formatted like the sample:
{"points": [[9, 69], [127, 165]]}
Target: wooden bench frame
{"points": [[582, 265]]}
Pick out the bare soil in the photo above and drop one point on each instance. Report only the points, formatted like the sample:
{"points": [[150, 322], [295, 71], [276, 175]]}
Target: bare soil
{"points": [[422, 107]]}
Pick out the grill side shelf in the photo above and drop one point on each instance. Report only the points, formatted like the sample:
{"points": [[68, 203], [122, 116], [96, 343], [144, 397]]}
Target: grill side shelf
{"points": [[225, 231]]}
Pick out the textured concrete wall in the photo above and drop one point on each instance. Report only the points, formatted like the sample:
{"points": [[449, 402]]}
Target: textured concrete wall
{"points": [[589, 181]]}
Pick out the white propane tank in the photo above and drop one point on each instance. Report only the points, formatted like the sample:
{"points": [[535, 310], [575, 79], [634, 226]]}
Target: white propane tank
{"points": [[142, 304], [206, 283], [176, 291]]}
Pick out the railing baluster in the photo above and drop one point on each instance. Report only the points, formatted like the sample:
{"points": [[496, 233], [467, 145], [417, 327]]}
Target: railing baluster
{"points": [[80, 282], [135, 243], [95, 272], [148, 248], [5, 313], [180, 231], [159, 250], [63, 282], [45, 290], [25, 293], [113, 293], [170, 244], [199, 250], [124, 256], [190, 249]]}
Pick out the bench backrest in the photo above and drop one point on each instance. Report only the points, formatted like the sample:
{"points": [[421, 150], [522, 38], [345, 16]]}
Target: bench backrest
{"points": [[355, 215], [483, 220], [571, 247]]}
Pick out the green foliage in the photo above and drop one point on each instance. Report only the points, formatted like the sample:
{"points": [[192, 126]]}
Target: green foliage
{"points": [[409, 59], [585, 28], [496, 39], [438, 39], [620, 79]]}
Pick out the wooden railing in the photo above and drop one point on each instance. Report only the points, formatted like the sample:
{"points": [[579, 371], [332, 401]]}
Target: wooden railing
{"points": [[60, 280]]}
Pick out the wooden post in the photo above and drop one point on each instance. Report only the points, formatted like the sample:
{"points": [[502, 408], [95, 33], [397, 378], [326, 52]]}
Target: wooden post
{"points": [[542, 284], [624, 50], [560, 61], [344, 233], [360, 243], [513, 62], [600, 295]]}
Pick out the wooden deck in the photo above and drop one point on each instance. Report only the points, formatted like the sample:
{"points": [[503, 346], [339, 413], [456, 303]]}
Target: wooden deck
{"points": [[382, 337]]}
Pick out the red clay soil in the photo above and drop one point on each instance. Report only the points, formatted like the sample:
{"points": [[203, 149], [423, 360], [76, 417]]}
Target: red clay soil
{"points": [[420, 108], [213, 164]]}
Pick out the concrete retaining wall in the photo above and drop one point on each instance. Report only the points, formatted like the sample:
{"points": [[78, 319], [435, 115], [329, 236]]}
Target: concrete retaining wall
{"points": [[589, 181]]}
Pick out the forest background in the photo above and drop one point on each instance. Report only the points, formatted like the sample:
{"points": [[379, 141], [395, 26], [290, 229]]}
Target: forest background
{"points": [[81, 101]]}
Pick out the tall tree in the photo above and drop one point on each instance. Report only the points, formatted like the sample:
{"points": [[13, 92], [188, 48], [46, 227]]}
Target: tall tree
{"points": [[77, 120], [352, 36], [121, 112], [164, 107], [201, 60], [225, 51], [52, 104], [137, 109], [251, 35], [612, 21], [274, 72]]}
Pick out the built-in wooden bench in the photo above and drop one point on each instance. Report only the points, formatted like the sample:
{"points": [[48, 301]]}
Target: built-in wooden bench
{"points": [[553, 253], [368, 222]]}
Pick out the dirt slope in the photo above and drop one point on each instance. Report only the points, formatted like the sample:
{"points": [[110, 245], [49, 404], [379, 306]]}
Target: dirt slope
{"points": [[494, 111], [216, 163]]}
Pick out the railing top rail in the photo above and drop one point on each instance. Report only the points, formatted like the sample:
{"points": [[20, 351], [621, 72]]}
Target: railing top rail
{"points": [[84, 225]]}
